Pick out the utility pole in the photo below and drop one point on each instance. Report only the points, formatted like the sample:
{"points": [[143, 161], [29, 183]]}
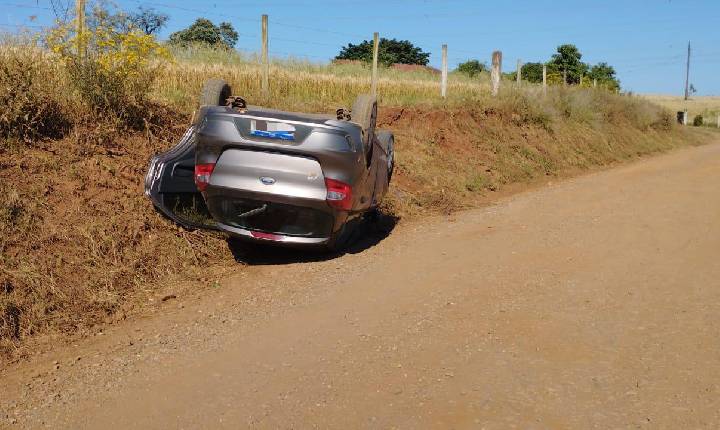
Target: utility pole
{"points": [[265, 84], [687, 75], [443, 83], [376, 49], [80, 27]]}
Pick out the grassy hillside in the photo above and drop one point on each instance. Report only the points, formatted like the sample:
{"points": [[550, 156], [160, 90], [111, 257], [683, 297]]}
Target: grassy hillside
{"points": [[81, 245]]}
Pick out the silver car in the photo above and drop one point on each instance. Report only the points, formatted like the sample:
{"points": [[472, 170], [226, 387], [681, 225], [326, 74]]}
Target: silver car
{"points": [[272, 176]]}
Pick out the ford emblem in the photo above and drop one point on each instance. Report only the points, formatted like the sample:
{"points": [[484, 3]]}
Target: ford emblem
{"points": [[267, 180]]}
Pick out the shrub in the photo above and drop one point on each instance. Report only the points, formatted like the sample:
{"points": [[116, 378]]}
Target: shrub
{"points": [[115, 76], [28, 96], [472, 68], [698, 120], [532, 72]]}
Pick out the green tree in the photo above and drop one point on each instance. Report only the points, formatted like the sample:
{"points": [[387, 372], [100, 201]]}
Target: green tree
{"points": [[148, 20], [567, 60], [390, 51], [605, 76], [228, 35], [532, 72], [472, 68], [204, 31]]}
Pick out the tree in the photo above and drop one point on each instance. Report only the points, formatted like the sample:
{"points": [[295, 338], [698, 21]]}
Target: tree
{"points": [[148, 20], [228, 35], [390, 51], [204, 31], [472, 68], [604, 74], [567, 60], [104, 15], [532, 72]]}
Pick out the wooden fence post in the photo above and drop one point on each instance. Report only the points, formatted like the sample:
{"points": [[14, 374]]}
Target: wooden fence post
{"points": [[495, 72], [518, 73], [443, 82], [594, 82], [265, 85], [718, 121], [376, 49], [544, 79], [565, 77]]}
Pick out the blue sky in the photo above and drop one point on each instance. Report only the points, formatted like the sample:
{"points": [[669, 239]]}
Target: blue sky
{"points": [[645, 40]]}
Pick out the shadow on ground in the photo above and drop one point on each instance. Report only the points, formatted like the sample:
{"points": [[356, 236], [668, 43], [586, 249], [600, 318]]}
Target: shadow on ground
{"points": [[367, 233]]}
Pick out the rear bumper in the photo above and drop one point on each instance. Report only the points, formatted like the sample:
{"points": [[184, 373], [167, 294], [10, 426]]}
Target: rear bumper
{"points": [[275, 239]]}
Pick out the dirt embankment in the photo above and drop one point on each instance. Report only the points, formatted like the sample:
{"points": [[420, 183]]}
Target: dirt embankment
{"points": [[82, 246]]}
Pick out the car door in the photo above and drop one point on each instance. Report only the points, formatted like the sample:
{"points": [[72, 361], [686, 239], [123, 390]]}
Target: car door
{"points": [[170, 184]]}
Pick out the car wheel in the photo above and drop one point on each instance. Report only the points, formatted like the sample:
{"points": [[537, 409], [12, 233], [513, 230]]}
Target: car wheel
{"points": [[215, 92], [364, 113]]}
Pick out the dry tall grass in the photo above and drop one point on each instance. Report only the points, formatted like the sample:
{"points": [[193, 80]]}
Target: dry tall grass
{"points": [[300, 88], [706, 106], [31, 102]]}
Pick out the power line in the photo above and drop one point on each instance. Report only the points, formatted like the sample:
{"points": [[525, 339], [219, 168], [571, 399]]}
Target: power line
{"points": [[687, 75], [22, 26], [27, 6]]}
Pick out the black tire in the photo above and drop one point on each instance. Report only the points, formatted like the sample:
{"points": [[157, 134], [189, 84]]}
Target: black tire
{"points": [[342, 238], [215, 93], [364, 113]]}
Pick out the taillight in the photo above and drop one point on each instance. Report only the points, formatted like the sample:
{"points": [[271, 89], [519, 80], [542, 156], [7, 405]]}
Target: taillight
{"points": [[202, 175], [339, 194]]}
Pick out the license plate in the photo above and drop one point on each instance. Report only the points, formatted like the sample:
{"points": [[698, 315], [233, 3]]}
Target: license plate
{"points": [[272, 130]]}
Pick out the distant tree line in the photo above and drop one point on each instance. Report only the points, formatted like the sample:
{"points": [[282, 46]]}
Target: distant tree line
{"points": [[566, 63], [150, 21], [205, 32], [390, 51], [147, 20]]}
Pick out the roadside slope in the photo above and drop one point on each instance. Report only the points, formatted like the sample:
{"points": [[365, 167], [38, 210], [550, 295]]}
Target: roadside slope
{"points": [[83, 248], [589, 303]]}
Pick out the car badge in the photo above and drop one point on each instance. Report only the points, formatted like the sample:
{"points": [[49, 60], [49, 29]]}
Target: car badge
{"points": [[267, 180]]}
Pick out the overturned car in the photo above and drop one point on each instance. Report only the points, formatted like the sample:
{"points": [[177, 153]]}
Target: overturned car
{"points": [[271, 176]]}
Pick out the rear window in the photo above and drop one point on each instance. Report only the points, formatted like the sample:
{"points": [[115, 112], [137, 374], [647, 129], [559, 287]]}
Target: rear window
{"points": [[270, 217]]}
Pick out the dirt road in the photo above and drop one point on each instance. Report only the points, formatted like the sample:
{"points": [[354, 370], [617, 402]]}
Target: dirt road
{"points": [[592, 303]]}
